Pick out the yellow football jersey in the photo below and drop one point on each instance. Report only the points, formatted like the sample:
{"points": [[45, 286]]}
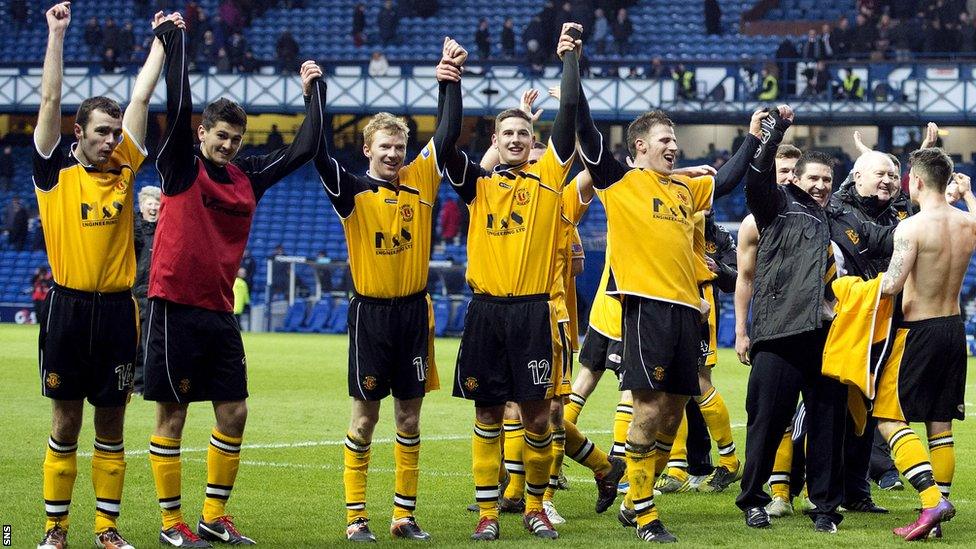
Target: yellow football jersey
{"points": [[702, 272], [87, 217], [572, 212], [606, 312], [387, 227], [650, 234], [514, 217]]}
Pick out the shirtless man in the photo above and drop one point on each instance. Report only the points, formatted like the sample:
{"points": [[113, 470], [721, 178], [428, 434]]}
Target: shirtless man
{"points": [[924, 378]]}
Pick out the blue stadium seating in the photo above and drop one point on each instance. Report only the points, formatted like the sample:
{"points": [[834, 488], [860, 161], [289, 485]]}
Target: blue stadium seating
{"points": [[295, 317], [318, 319], [337, 320]]}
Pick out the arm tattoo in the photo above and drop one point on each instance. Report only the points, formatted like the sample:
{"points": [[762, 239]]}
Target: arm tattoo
{"points": [[897, 265]]}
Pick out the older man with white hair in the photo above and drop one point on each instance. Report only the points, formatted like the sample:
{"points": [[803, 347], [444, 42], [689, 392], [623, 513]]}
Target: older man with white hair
{"points": [[145, 230]]}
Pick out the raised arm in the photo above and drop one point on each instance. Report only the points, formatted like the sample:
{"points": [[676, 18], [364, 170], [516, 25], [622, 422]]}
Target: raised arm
{"points": [[731, 173], [763, 196], [902, 260], [267, 169], [563, 135], [603, 167], [176, 161], [340, 186], [449, 102], [47, 132], [137, 112]]}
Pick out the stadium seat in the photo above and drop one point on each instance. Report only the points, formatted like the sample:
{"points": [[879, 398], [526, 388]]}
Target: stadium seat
{"points": [[442, 313], [457, 317], [338, 318], [295, 317], [318, 319]]}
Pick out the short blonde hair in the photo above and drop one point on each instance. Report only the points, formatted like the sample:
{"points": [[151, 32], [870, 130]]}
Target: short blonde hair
{"points": [[147, 192], [384, 121]]}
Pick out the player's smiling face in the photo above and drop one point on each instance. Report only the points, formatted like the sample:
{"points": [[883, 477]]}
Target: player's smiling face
{"points": [[98, 139], [817, 180], [658, 151], [220, 143], [386, 153], [514, 138]]}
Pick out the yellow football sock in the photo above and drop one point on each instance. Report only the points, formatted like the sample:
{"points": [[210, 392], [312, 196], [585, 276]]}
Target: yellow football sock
{"points": [[677, 463], [223, 461], [538, 463], [486, 457], [942, 453], [355, 470], [911, 460], [574, 407], [60, 470], [164, 458], [108, 475], [558, 452], [581, 450], [716, 415], [779, 479], [640, 473], [621, 423], [664, 444], [514, 445], [406, 457]]}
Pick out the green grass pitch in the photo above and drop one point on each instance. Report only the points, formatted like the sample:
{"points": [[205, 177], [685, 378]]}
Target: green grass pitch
{"points": [[289, 490]]}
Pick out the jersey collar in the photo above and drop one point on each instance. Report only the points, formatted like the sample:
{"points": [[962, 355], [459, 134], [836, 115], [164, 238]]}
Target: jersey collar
{"points": [[382, 182]]}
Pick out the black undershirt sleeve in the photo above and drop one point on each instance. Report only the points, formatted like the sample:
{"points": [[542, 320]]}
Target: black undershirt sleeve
{"points": [[176, 162], [731, 173], [267, 169], [763, 196], [563, 135], [603, 167], [340, 186]]}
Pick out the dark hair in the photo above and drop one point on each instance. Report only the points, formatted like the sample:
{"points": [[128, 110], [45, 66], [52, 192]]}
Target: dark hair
{"points": [[224, 110], [812, 157], [934, 166], [642, 126], [511, 113], [788, 151], [99, 103]]}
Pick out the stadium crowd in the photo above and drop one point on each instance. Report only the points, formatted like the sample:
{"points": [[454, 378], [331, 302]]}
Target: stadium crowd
{"points": [[854, 293]]}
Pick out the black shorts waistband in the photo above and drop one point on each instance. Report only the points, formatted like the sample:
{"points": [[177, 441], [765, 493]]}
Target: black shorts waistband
{"points": [[391, 300], [932, 322], [110, 296], [509, 300]]}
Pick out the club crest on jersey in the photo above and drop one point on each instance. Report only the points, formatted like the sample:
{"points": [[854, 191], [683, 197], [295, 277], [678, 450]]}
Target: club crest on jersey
{"points": [[852, 234], [522, 196], [471, 383], [53, 381], [658, 373], [710, 247], [901, 215], [369, 383], [121, 187], [682, 197], [184, 386], [406, 212]]}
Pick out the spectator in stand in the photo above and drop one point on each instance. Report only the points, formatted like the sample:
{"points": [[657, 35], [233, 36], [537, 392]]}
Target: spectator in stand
{"points": [[242, 296], [236, 47], [738, 140], [684, 79], [882, 38], [208, 49], [93, 36], [770, 84], [249, 265], [7, 168], [15, 223], [786, 57], [622, 31], [287, 52], [563, 15], [535, 30], [359, 25], [191, 11], [713, 17], [966, 34], [275, 140], [18, 13], [38, 245], [863, 35], [657, 69], [378, 64], [818, 80], [812, 47], [110, 35], [388, 21], [195, 30], [110, 62], [249, 64], [535, 59], [425, 8], [246, 9], [450, 222], [126, 43], [827, 41], [223, 64], [841, 38], [482, 39], [600, 32], [41, 284], [851, 87], [231, 16], [508, 38]]}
